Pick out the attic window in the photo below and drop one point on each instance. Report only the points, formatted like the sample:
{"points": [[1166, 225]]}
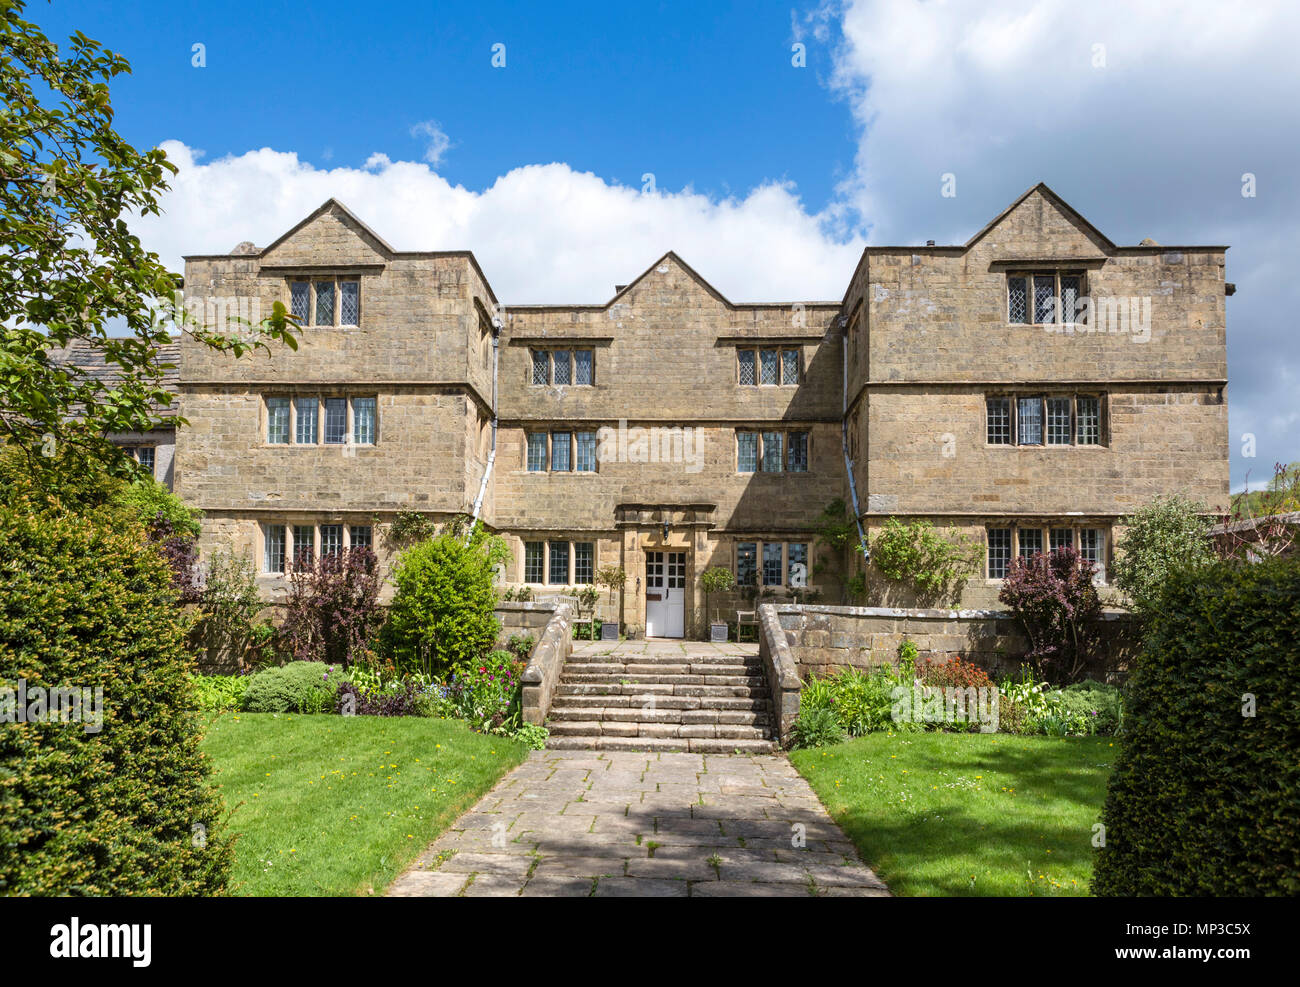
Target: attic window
{"points": [[772, 367], [326, 301], [1043, 297]]}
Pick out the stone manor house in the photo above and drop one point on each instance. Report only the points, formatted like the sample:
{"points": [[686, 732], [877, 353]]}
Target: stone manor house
{"points": [[1026, 389]]}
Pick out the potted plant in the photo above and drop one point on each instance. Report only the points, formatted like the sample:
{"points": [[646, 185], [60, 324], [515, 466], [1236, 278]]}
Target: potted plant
{"points": [[613, 577], [716, 580]]}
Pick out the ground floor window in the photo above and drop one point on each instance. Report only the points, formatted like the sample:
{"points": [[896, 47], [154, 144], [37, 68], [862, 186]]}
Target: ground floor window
{"points": [[784, 563], [1028, 539], [547, 563], [300, 544]]}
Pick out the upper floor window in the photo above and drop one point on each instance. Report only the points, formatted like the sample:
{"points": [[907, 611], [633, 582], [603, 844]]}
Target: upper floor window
{"points": [[560, 452], [1043, 419], [771, 452], [775, 366], [563, 367], [783, 564], [1043, 297], [299, 421], [326, 301]]}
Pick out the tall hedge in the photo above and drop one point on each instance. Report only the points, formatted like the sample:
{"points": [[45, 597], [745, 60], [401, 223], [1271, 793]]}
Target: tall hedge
{"points": [[86, 603], [1205, 800]]}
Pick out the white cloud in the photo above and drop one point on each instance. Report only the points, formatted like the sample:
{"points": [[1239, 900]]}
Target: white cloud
{"points": [[542, 233], [438, 143]]}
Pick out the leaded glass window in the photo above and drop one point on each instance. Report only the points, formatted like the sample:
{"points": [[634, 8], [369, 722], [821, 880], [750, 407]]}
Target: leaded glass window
{"points": [[582, 367], [789, 366], [533, 558], [796, 560], [1044, 298], [331, 539], [537, 452], [1060, 538], [798, 452], [300, 300], [585, 460], [304, 544], [1092, 547], [998, 414], [584, 562], [324, 303], [1029, 418], [769, 372], [361, 536], [558, 573], [277, 421], [1031, 542], [305, 429], [1017, 300], [273, 557], [771, 563], [999, 558], [561, 367], [746, 563], [1058, 421], [746, 364], [1089, 418], [560, 452], [772, 452], [746, 452], [336, 420], [349, 303], [1070, 298], [363, 421], [541, 367]]}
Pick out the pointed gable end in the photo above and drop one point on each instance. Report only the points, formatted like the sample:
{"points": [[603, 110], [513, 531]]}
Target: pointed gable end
{"points": [[669, 280], [330, 236], [1039, 223]]}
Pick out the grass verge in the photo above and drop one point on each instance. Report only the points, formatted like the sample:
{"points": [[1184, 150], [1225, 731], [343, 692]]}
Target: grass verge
{"points": [[339, 805], [967, 814]]}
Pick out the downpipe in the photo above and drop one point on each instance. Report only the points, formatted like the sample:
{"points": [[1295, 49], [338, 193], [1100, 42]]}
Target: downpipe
{"points": [[844, 441], [492, 450]]}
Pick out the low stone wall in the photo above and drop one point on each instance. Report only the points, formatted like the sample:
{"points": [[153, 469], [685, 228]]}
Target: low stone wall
{"points": [[781, 670], [523, 618], [544, 667], [823, 639]]}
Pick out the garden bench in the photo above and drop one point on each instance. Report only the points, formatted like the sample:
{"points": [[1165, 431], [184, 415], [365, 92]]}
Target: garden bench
{"points": [[746, 618]]}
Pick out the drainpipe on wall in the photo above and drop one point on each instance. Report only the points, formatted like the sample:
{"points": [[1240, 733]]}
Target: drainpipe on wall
{"points": [[492, 451], [844, 441]]}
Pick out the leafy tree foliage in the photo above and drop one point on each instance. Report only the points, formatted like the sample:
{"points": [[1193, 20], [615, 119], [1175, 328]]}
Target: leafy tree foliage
{"points": [[333, 607], [1053, 597], [69, 184], [1169, 534]]}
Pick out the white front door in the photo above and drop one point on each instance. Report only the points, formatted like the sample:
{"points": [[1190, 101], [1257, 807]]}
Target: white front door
{"points": [[665, 594]]}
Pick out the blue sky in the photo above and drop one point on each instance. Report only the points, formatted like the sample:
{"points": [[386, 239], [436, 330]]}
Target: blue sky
{"points": [[699, 94], [1146, 115]]}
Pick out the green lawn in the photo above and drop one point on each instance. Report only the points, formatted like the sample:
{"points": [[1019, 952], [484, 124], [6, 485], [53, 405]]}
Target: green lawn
{"points": [[967, 814], [339, 805]]}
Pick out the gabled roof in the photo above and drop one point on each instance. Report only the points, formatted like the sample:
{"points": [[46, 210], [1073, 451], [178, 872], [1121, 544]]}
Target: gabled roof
{"points": [[694, 275], [1051, 197], [326, 206]]}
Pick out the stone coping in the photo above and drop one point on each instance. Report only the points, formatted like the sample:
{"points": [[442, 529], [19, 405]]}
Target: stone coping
{"points": [[781, 669], [546, 663], [902, 613]]}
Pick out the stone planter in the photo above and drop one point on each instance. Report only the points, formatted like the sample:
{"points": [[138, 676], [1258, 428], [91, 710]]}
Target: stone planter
{"points": [[718, 633], [609, 630]]}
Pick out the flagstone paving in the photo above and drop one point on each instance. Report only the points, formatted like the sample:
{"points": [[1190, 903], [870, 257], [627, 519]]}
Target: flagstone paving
{"points": [[634, 824]]}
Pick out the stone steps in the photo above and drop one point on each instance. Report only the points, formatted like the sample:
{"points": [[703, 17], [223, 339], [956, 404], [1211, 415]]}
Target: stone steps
{"points": [[662, 702], [695, 745], [637, 714]]}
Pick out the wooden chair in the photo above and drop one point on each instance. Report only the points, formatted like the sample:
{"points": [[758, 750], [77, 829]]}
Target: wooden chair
{"points": [[746, 618]]}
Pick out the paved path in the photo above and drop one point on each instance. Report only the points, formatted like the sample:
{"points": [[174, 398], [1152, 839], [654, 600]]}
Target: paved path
{"points": [[625, 824]]}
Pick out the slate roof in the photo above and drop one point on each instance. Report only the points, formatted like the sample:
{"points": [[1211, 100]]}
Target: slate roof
{"points": [[90, 361]]}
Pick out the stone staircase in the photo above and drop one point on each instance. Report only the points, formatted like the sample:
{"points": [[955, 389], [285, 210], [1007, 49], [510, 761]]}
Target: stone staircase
{"points": [[662, 701]]}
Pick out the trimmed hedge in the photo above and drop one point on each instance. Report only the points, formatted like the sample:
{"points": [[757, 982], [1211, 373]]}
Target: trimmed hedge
{"points": [[1205, 800], [87, 604]]}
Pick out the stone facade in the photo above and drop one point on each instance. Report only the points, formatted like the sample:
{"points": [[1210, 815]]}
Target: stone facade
{"points": [[655, 382]]}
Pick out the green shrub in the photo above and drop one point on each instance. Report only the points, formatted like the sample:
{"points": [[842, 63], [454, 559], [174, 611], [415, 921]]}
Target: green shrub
{"points": [[298, 687], [128, 810], [521, 646], [442, 617], [1165, 536], [1204, 799], [533, 735], [1103, 703], [816, 728], [861, 702], [219, 693]]}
